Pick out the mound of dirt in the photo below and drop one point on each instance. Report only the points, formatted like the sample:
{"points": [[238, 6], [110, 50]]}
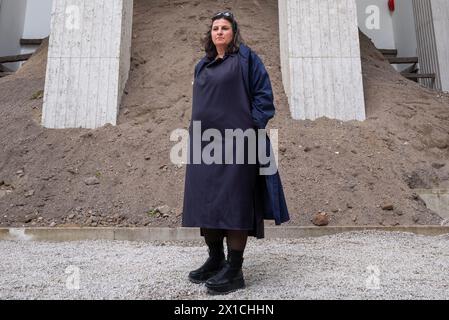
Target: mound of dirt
{"points": [[35, 66], [122, 175]]}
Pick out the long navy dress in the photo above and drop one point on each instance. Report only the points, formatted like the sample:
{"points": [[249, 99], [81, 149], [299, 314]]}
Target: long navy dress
{"points": [[222, 196]]}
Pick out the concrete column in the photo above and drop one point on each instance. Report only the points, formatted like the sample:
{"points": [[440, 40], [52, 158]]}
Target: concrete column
{"points": [[440, 14], [88, 62], [320, 59], [425, 35], [432, 25]]}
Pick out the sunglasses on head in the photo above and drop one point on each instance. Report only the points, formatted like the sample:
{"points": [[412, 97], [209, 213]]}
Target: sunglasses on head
{"points": [[223, 14]]}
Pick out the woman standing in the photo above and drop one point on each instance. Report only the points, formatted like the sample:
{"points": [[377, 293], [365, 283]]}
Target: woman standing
{"points": [[232, 90]]}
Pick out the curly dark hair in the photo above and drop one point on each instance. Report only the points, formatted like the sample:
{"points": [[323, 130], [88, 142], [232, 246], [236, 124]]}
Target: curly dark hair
{"points": [[233, 47]]}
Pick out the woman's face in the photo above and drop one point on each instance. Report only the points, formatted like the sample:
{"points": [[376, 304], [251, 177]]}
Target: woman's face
{"points": [[222, 33]]}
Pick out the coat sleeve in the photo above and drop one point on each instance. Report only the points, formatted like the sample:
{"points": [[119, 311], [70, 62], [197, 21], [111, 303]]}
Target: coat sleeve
{"points": [[195, 73], [198, 67], [262, 94]]}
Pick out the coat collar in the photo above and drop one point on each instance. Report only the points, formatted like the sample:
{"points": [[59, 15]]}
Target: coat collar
{"points": [[244, 57], [244, 53]]}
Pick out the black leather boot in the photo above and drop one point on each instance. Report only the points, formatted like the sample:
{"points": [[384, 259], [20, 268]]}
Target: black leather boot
{"points": [[230, 277], [213, 264]]}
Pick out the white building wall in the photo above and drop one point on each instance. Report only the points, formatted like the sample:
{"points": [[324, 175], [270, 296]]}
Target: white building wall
{"points": [[440, 12], [37, 22], [320, 45], [404, 29], [88, 55], [12, 16], [383, 35], [396, 29], [37, 19]]}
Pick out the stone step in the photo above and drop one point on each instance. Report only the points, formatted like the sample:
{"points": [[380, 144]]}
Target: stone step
{"points": [[16, 58], [389, 52], [402, 60], [418, 75]]}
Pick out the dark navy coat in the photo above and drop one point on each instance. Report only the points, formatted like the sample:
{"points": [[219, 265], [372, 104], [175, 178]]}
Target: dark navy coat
{"points": [[258, 86]]}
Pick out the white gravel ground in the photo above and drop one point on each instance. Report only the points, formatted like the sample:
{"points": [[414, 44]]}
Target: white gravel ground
{"points": [[357, 265]]}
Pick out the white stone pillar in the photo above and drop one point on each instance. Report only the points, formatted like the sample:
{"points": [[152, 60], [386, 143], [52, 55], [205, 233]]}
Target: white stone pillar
{"points": [[440, 15], [320, 59], [88, 62]]}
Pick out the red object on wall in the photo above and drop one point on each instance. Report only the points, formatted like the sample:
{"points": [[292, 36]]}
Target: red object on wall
{"points": [[391, 5]]}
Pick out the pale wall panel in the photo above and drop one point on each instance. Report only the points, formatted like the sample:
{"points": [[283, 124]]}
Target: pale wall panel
{"points": [[440, 12], [88, 62], [320, 59]]}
